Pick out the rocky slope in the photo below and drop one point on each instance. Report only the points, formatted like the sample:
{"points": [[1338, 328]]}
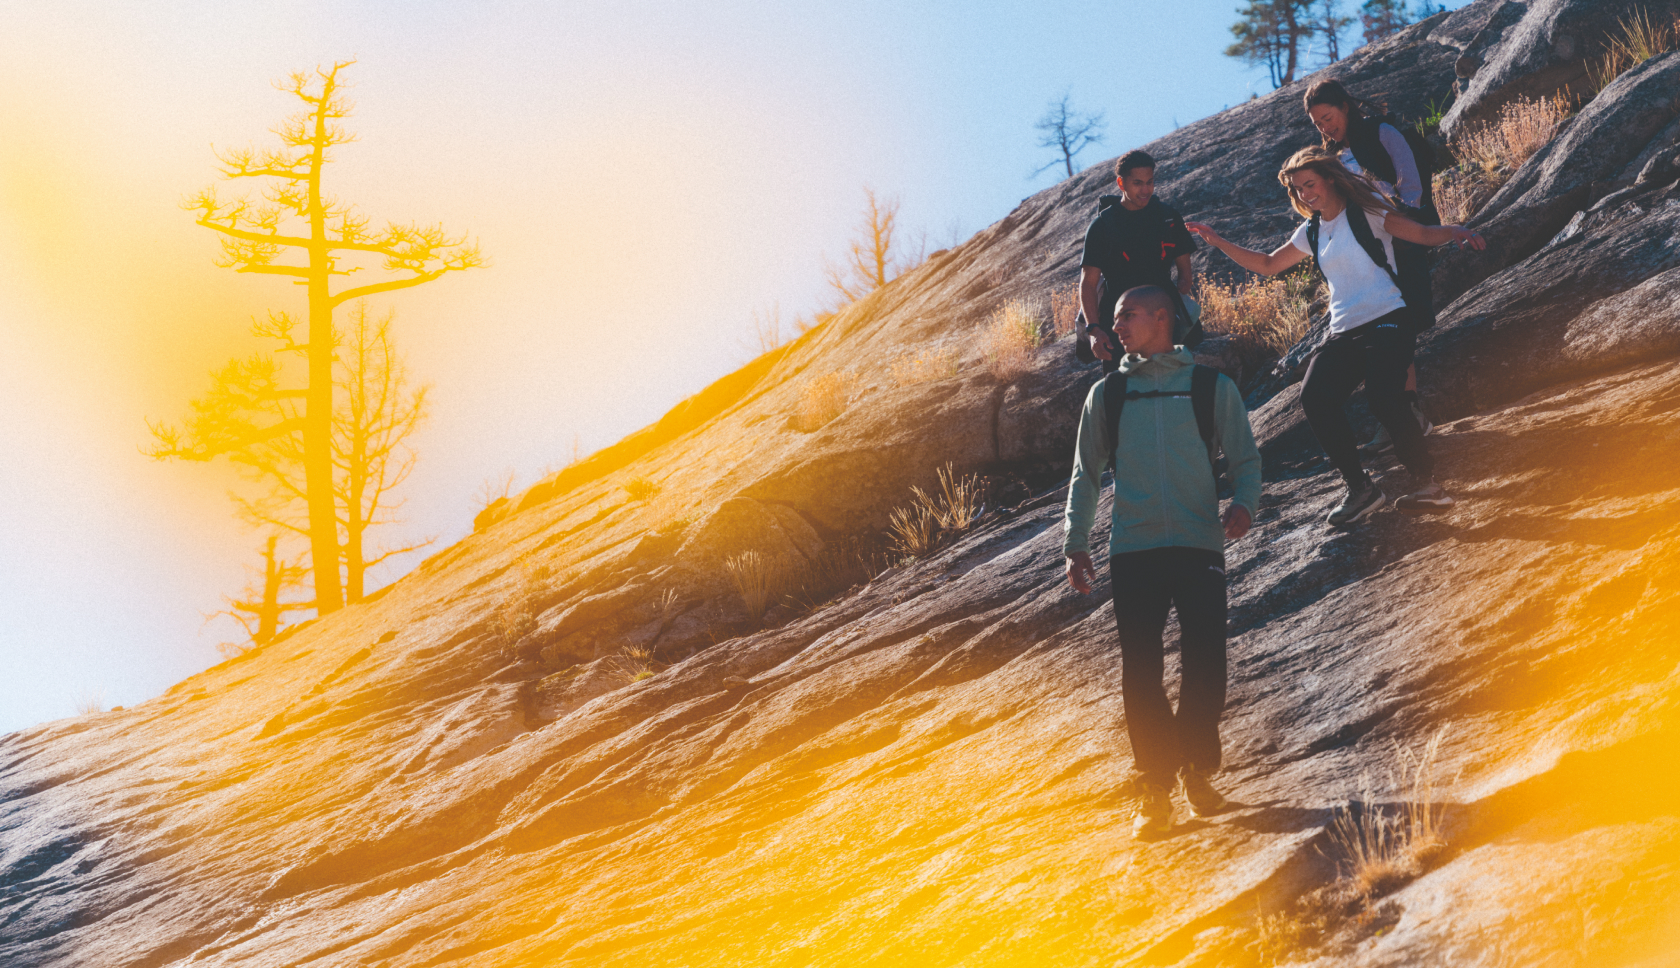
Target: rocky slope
{"points": [[929, 769]]}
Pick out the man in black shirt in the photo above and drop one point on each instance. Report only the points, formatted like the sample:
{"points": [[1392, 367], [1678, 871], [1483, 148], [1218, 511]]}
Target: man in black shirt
{"points": [[1136, 240]]}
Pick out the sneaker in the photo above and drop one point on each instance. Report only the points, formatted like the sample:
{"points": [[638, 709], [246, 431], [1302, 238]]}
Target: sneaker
{"points": [[1203, 799], [1154, 812], [1423, 422], [1428, 498], [1357, 505], [1382, 441]]}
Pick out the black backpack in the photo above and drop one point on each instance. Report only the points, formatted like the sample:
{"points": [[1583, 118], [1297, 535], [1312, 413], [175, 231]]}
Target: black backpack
{"points": [[1203, 382], [1423, 154], [1415, 290]]}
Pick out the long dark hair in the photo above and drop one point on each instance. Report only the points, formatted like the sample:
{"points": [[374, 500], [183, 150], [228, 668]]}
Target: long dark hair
{"points": [[1335, 95]]}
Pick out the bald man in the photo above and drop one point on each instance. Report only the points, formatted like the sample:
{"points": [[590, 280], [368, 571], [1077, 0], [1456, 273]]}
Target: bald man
{"points": [[1166, 545]]}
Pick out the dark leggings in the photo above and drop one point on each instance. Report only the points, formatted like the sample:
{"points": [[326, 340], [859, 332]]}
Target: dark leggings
{"points": [[1146, 584], [1377, 353]]}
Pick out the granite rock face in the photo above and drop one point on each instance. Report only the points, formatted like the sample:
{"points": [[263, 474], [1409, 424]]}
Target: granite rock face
{"points": [[561, 741]]}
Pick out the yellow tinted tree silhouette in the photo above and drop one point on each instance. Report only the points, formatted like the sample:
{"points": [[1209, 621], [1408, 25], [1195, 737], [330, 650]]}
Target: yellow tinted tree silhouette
{"points": [[260, 611], [250, 418], [329, 239], [872, 258]]}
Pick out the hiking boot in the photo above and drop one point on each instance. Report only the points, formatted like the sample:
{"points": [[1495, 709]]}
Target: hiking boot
{"points": [[1358, 503], [1426, 497], [1203, 799], [1154, 812]]}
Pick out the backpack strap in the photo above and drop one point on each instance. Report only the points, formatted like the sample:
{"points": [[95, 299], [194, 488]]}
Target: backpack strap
{"points": [[1204, 381], [1360, 223], [1114, 400], [1312, 240]]}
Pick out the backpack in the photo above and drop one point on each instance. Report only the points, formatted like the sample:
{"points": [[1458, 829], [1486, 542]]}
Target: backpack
{"points": [[1416, 290], [1203, 382]]}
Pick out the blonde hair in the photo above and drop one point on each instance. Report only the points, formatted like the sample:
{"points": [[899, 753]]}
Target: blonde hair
{"points": [[1354, 189]]}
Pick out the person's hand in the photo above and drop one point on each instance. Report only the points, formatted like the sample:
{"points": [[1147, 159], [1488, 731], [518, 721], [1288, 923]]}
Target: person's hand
{"points": [[1081, 573], [1463, 237], [1099, 343], [1237, 521], [1185, 287], [1205, 231]]}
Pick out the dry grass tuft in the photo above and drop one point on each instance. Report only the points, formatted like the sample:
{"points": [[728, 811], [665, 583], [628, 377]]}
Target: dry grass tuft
{"points": [[1640, 40], [1522, 128], [1383, 850], [1490, 153], [957, 502], [516, 617], [1264, 317], [1278, 937], [633, 664], [913, 531], [760, 580], [924, 366], [1010, 338], [1064, 309], [91, 705], [823, 399], [640, 488]]}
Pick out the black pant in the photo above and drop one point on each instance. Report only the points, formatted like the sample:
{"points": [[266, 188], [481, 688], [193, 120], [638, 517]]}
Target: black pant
{"points": [[1377, 353], [1146, 584]]}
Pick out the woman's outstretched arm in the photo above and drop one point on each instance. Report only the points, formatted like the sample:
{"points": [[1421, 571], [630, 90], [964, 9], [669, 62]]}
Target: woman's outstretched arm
{"points": [[1282, 258], [1402, 227]]}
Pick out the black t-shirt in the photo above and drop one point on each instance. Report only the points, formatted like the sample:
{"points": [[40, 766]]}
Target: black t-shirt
{"points": [[1133, 249]]}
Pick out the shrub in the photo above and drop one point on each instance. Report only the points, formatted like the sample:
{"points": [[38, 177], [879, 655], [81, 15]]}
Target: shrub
{"points": [[1009, 339], [640, 488], [1264, 317], [924, 366], [823, 399], [1640, 40], [1064, 309]]}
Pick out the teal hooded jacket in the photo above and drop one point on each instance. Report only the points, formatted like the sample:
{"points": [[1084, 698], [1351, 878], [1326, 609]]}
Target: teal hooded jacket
{"points": [[1163, 486]]}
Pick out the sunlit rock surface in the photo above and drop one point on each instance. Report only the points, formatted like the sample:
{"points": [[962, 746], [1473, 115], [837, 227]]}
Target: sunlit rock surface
{"points": [[929, 770]]}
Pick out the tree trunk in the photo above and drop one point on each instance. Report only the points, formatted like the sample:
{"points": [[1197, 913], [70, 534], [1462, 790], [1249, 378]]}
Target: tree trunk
{"points": [[268, 616], [318, 418]]}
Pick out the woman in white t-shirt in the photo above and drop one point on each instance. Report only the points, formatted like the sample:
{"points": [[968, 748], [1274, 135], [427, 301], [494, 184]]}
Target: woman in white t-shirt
{"points": [[1370, 332]]}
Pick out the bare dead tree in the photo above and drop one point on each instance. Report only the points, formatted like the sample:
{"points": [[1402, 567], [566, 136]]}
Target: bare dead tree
{"points": [[872, 260], [260, 612], [1067, 131], [331, 239], [376, 415]]}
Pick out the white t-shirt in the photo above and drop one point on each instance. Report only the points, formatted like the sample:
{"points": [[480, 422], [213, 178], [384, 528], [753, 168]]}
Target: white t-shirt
{"points": [[1360, 290]]}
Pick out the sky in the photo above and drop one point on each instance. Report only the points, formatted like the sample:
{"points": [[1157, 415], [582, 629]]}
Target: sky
{"points": [[642, 177]]}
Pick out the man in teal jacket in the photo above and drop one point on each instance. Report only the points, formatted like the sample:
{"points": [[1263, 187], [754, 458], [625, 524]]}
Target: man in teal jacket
{"points": [[1166, 550]]}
